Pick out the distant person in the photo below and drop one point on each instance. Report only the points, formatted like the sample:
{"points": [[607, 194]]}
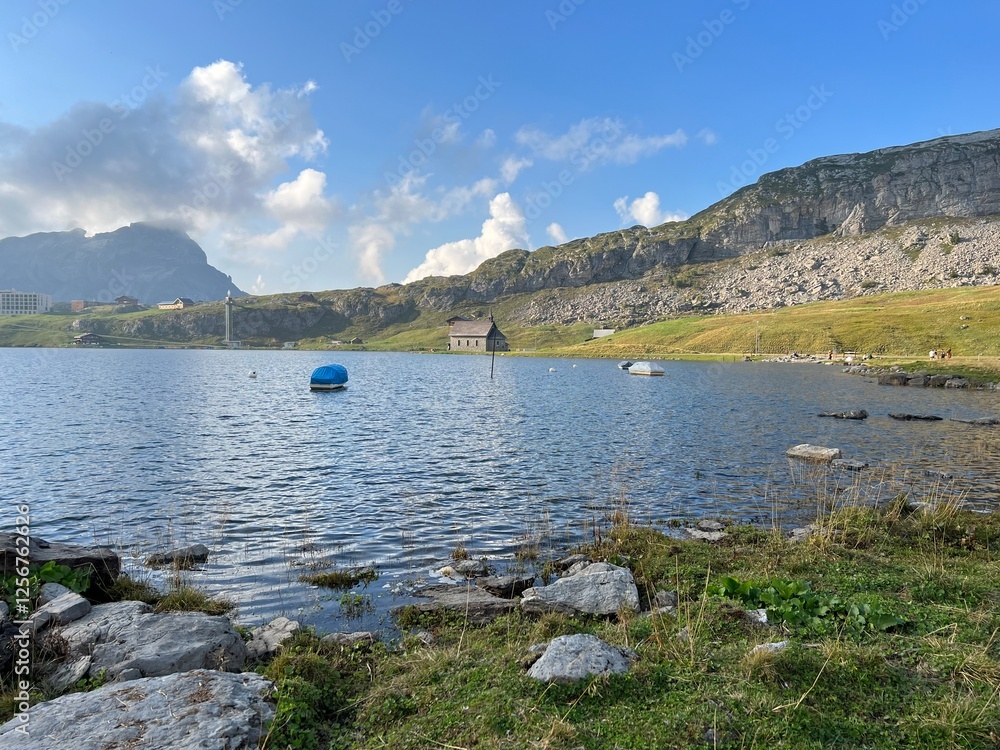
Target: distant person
{"points": [[947, 354], [830, 355], [933, 354]]}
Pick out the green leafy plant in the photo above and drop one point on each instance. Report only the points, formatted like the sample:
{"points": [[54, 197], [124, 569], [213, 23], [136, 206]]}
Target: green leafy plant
{"points": [[12, 588], [795, 605]]}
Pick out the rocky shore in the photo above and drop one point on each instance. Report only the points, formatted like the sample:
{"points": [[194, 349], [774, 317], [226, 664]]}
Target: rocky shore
{"points": [[127, 676]]}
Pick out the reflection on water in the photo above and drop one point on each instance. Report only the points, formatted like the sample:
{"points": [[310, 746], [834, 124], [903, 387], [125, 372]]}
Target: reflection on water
{"points": [[145, 448]]}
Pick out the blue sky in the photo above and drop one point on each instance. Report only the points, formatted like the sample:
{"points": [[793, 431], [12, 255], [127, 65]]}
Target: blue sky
{"points": [[321, 145]]}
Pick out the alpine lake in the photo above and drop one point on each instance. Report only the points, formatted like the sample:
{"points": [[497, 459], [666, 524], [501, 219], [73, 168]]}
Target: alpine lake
{"points": [[421, 455]]}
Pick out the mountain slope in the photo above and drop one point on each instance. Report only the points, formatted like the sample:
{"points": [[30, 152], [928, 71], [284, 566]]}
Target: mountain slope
{"points": [[140, 260], [846, 195]]}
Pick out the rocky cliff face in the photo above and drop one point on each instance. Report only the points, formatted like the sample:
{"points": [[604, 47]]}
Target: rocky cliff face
{"points": [[140, 260], [843, 196], [849, 195]]}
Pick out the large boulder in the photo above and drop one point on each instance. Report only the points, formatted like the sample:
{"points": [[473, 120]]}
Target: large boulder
{"points": [[104, 563], [185, 711], [599, 589], [127, 640], [571, 658]]}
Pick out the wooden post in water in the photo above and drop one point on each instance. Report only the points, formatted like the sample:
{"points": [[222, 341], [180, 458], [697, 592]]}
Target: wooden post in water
{"points": [[493, 357]]}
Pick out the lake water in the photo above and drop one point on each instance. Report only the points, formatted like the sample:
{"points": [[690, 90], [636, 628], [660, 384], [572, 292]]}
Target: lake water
{"points": [[143, 449]]}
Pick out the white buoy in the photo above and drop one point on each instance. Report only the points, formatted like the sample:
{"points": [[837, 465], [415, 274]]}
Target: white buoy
{"points": [[252, 374], [552, 369], [574, 366]]}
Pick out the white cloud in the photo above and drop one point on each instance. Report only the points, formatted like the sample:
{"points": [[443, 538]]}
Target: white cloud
{"points": [[645, 211], [512, 167], [205, 157], [258, 286], [596, 140], [556, 233], [707, 136], [301, 203], [487, 139], [504, 230], [371, 242], [399, 208]]}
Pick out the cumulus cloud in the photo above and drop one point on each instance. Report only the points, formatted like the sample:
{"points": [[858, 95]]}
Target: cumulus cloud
{"points": [[707, 136], [556, 233], [504, 230], [371, 242], [204, 158], [596, 140], [645, 211], [397, 209]]}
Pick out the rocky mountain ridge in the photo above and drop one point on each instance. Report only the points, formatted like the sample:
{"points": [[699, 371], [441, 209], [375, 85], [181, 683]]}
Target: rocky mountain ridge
{"points": [[903, 218], [143, 261]]}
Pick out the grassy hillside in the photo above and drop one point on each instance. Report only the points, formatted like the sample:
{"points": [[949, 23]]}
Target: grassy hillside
{"points": [[905, 324], [965, 319]]}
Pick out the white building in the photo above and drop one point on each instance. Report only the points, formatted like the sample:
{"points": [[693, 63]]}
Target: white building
{"points": [[24, 303]]}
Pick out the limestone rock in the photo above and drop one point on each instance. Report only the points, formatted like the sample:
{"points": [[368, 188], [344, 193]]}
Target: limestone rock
{"points": [[183, 557], [67, 674], [192, 710], [350, 639], [568, 562], [983, 421], [600, 589], [851, 414], [470, 568], [267, 639], [64, 609], [506, 587], [914, 417], [706, 536], [50, 591], [127, 635], [848, 464], [771, 647], [814, 453], [465, 600], [571, 658], [104, 563]]}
